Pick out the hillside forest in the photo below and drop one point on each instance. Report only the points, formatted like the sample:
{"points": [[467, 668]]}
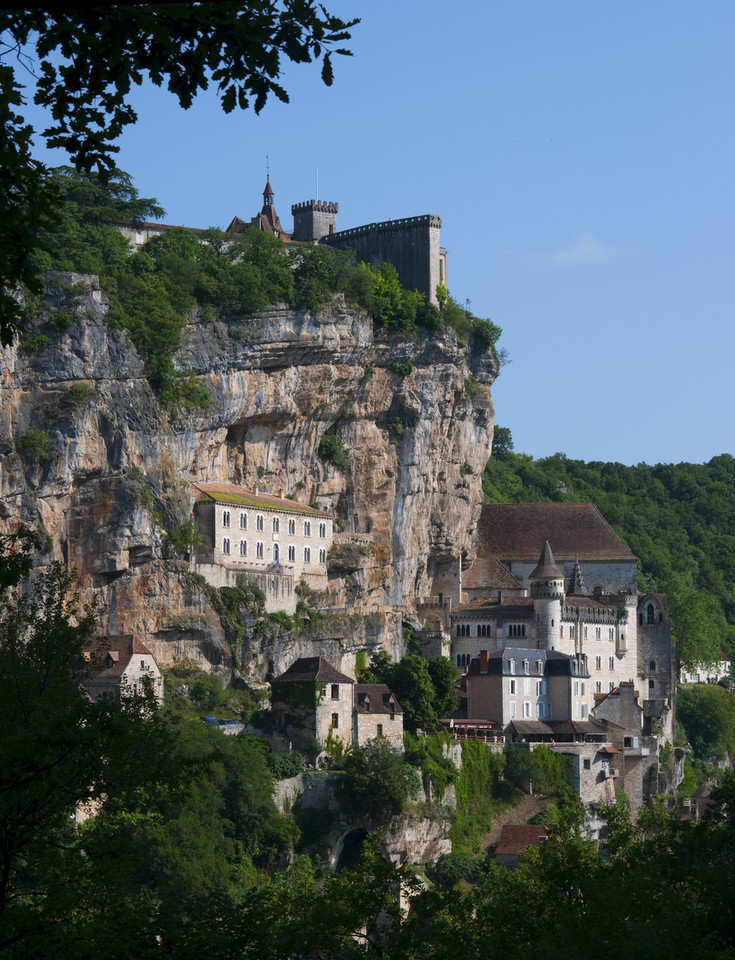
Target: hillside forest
{"points": [[679, 519]]}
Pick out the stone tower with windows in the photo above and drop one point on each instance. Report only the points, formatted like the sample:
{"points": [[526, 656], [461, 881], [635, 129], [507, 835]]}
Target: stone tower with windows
{"points": [[547, 592]]}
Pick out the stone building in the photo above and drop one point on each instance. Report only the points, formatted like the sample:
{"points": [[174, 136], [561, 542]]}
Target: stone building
{"points": [[121, 665], [312, 701], [274, 541], [411, 244], [377, 713], [544, 604]]}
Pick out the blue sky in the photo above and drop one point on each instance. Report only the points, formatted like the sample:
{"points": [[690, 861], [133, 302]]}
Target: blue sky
{"points": [[581, 156]]}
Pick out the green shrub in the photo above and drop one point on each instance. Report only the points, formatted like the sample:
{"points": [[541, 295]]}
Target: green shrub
{"points": [[36, 443], [78, 394], [285, 765], [402, 369], [61, 321], [331, 449], [185, 538]]}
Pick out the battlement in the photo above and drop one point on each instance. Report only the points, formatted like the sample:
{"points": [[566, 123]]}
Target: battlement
{"points": [[387, 226], [307, 206]]}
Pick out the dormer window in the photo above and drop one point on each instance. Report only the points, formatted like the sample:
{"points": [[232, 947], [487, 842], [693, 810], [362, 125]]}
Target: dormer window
{"points": [[512, 666]]}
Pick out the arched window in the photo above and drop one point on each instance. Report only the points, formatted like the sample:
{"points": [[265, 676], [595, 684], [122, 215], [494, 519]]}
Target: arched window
{"points": [[276, 524], [652, 666], [459, 630], [650, 615], [276, 553], [243, 548], [459, 660]]}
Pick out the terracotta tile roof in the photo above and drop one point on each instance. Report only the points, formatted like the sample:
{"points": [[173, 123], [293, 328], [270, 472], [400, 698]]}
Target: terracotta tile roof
{"points": [[489, 573], [314, 668], [588, 603], [380, 699], [517, 531], [515, 838], [520, 606], [110, 656], [230, 493]]}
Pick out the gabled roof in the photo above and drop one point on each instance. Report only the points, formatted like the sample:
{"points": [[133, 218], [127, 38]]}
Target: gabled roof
{"points": [[489, 573], [517, 531], [240, 497], [375, 698], [515, 838], [313, 668], [110, 656], [507, 606]]}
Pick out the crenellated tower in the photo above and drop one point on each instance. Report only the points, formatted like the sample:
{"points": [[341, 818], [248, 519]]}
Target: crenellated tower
{"points": [[314, 219]]}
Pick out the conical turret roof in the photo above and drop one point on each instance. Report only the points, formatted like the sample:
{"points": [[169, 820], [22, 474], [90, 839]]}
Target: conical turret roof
{"points": [[546, 568]]}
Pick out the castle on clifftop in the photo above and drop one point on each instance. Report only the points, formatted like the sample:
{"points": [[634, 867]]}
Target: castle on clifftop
{"points": [[410, 244]]}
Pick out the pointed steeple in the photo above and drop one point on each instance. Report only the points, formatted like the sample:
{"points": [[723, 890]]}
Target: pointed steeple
{"points": [[577, 586], [546, 568], [546, 580], [268, 194]]}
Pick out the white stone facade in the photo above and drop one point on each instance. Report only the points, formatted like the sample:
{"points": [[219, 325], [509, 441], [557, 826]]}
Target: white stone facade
{"points": [[253, 533]]}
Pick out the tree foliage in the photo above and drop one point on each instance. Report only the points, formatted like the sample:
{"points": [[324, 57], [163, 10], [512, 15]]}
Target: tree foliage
{"points": [[677, 518], [89, 57], [379, 781]]}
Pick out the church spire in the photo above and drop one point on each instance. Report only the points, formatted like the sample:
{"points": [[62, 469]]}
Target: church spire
{"points": [[577, 586]]}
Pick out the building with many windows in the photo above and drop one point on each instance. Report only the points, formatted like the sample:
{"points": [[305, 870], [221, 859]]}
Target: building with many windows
{"points": [[273, 540]]}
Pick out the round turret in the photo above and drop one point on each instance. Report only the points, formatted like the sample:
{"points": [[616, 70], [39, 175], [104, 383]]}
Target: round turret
{"points": [[547, 591]]}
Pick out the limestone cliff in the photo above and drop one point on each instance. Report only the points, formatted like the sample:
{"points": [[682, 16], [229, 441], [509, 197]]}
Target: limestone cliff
{"points": [[87, 453]]}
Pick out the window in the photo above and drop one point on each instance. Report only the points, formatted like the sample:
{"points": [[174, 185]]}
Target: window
{"points": [[585, 633], [512, 709], [512, 666], [307, 554], [380, 729], [539, 667], [276, 525], [335, 721], [292, 553], [307, 528], [259, 522], [525, 666], [586, 764], [511, 686], [259, 549], [584, 711], [335, 691], [292, 527], [610, 633], [651, 684], [627, 741], [243, 548], [611, 663], [526, 708], [611, 685], [652, 666], [582, 686], [243, 521], [598, 633], [598, 663], [576, 688], [323, 530], [276, 553], [225, 518], [322, 555], [650, 614], [598, 686], [226, 545], [561, 633]]}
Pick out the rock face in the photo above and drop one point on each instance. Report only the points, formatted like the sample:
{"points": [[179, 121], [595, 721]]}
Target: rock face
{"points": [[88, 455]]}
